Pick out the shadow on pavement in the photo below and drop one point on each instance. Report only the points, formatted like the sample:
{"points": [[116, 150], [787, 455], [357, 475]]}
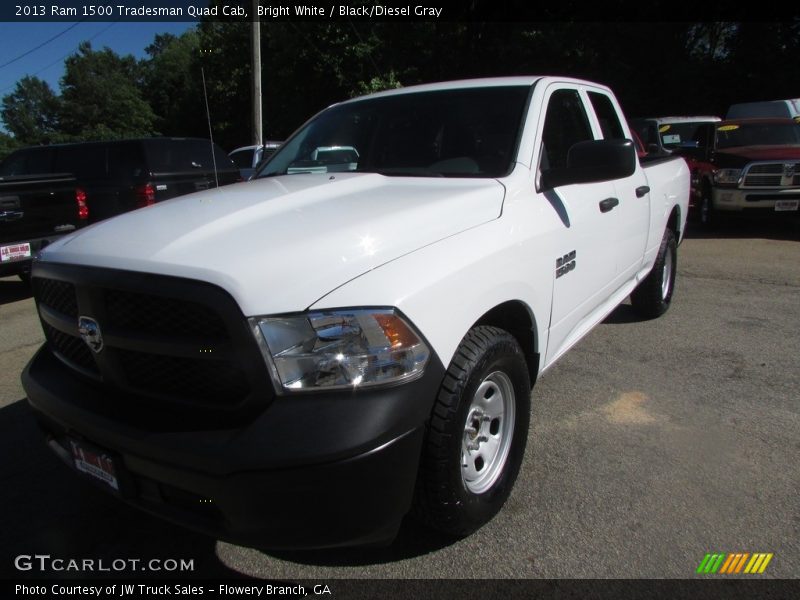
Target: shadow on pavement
{"points": [[13, 290], [624, 313], [412, 540], [46, 509], [739, 227]]}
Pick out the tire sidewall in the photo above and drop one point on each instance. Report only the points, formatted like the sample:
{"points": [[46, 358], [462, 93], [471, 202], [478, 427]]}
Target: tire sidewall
{"points": [[504, 356], [706, 210], [669, 245]]}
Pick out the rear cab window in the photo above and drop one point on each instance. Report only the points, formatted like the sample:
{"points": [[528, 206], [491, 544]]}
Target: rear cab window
{"points": [[29, 161], [607, 116], [84, 161], [169, 155]]}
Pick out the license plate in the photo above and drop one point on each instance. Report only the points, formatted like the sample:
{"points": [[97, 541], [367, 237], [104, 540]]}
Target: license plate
{"points": [[782, 205], [15, 252], [95, 462]]}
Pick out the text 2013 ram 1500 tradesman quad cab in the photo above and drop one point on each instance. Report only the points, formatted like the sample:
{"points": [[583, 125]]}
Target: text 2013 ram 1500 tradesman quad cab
{"points": [[302, 359]]}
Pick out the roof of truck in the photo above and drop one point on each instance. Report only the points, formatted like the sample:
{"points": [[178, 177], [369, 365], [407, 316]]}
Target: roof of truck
{"points": [[523, 80]]}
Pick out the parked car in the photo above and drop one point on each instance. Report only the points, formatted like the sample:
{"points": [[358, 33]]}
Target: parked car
{"points": [[786, 109], [747, 166], [662, 135], [308, 361], [247, 158]]}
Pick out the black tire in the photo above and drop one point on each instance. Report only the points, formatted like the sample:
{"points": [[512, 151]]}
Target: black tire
{"points": [[708, 215], [652, 297], [450, 495]]}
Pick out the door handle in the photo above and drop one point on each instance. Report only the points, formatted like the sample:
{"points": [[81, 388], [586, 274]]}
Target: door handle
{"points": [[607, 204], [642, 191]]}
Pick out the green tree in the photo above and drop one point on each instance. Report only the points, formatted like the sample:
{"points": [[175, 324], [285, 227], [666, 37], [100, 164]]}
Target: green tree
{"points": [[101, 96], [224, 56], [31, 111], [172, 84], [763, 61], [7, 145]]}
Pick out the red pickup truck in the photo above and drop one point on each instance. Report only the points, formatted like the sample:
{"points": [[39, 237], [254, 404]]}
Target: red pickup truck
{"points": [[746, 166]]}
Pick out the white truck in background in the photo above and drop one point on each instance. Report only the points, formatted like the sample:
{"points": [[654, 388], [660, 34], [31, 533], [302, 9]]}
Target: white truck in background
{"points": [[767, 109], [300, 360]]}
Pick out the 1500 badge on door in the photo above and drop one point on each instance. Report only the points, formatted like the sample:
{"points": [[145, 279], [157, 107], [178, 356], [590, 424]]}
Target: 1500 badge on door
{"points": [[565, 264]]}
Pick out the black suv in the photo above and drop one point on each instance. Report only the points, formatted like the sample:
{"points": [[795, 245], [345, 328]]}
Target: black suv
{"points": [[48, 191], [118, 176]]}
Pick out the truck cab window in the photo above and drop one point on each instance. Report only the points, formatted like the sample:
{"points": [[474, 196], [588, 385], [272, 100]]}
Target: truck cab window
{"points": [[565, 125], [607, 116], [30, 161]]}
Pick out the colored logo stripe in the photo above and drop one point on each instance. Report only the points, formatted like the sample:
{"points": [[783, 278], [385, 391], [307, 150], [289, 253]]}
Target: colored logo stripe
{"points": [[734, 562]]}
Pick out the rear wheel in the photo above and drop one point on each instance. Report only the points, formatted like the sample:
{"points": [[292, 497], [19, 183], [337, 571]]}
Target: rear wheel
{"points": [[476, 436], [654, 294]]}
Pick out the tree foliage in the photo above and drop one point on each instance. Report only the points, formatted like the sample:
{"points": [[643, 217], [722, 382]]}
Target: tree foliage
{"points": [[101, 96], [654, 68], [171, 84], [7, 145], [31, 111]]}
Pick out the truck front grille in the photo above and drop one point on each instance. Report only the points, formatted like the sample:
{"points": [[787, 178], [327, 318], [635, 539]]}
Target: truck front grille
{"points": [[210, 382], [131, 311], [58, 295], [69, 349], [166, 339], [772, 175]]}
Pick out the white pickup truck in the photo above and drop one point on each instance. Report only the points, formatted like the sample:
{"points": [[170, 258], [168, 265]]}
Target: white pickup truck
{"points": [[303, 359]]}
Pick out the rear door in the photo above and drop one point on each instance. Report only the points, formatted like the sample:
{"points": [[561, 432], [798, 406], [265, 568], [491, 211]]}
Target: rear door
{"points": [[632, 214]]}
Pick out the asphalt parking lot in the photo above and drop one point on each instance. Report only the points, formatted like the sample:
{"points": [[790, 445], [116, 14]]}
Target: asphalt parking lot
{"points": [[651, 444]]}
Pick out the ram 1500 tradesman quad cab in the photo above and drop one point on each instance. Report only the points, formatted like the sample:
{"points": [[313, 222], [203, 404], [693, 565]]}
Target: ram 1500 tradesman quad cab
{"points": [[302, 359]]}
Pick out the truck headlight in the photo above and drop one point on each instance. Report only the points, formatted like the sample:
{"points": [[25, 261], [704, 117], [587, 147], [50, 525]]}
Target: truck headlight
{"points": [[340, 349], [727, 176]]}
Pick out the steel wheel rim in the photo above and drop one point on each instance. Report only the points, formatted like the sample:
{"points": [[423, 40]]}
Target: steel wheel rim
{"points": [[666, 276], [488, 432]]}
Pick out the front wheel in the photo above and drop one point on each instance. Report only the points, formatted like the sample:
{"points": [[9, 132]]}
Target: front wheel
{"points": [[708, 214], [654, 294], [476, 436]]}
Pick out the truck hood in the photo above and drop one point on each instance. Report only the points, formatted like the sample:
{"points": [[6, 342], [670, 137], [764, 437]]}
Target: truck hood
{"points": [[741, 155], [279, 244]]}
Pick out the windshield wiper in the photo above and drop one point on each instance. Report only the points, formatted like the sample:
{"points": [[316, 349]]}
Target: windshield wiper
{"points": [[407, 173]]}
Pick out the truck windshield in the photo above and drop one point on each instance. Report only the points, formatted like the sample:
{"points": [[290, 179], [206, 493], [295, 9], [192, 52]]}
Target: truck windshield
{"points": [[470, 132], [675, 134], [731, 135]]}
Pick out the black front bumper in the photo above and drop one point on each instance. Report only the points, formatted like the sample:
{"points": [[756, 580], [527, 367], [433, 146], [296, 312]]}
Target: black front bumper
{"points": [[311, 471]]}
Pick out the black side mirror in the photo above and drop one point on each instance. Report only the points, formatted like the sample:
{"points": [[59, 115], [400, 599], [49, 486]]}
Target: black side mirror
{"points": [[593, 161]]}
